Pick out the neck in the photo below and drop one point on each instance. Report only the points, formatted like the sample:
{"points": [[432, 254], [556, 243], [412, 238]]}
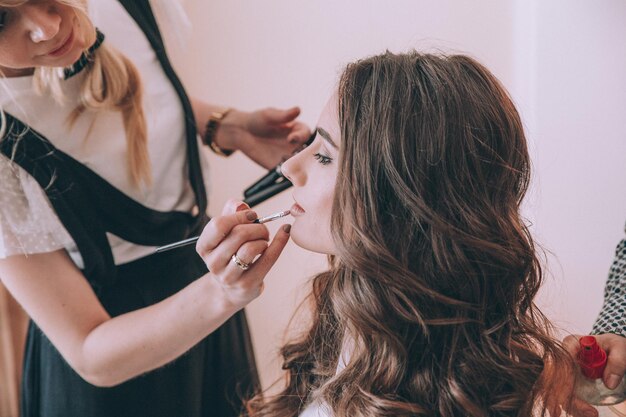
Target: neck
{"points": [[15, 72]]}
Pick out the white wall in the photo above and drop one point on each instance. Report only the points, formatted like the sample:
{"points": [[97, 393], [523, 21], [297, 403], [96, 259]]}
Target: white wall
{"points": [[578, 79], [564, 62]]}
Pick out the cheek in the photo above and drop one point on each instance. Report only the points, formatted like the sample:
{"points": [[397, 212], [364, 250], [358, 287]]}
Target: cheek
{"points": [[83, 28], [12, 54]]}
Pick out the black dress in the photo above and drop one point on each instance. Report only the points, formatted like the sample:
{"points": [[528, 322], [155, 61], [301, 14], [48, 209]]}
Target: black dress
{"points": [[209, 380]]}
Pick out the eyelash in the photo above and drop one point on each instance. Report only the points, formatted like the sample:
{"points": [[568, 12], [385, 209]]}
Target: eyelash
{"points": [[3, 19], [323, 159]]}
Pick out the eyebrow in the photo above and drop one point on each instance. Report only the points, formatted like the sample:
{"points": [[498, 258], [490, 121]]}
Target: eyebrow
{"points": [[326, 136]]}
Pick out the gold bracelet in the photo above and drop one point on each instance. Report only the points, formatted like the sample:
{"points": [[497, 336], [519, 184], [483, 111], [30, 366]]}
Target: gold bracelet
{"points": [[215, 119]]}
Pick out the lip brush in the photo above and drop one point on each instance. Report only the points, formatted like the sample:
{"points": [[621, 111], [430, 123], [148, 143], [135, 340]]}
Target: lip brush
{"points": [[192, 240]]}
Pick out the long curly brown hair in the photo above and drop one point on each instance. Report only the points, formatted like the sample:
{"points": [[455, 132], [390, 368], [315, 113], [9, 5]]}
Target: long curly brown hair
{"points": [[436, 271]]}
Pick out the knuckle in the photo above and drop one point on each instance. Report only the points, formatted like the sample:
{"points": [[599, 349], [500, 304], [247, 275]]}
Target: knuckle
{"points": [[239, 234], [249, 251], [571, 343], [245, 233], [210, 267], [246, 252], [260, 231], [219, 226], [201, 249], [210, 263]]}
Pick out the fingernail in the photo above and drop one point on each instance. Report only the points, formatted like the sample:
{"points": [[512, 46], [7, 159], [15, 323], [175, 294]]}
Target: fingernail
{"points": [[242, 207], [612, 381], [251, 215], [287, 228]]}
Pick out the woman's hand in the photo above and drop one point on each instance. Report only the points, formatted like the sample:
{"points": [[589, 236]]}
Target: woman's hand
{"points": [[232, 238], [267, 136], [615, 347]]}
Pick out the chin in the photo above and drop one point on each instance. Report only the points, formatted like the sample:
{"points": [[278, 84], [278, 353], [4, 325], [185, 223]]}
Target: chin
{"points": [[67, 60], [312, 241], [73, 57]]}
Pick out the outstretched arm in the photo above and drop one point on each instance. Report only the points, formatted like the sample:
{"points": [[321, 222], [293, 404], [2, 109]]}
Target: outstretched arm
{"points": [[107, 351]]}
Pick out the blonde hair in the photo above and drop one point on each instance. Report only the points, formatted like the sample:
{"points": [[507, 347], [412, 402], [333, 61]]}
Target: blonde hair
{"points": [[112, 83]]}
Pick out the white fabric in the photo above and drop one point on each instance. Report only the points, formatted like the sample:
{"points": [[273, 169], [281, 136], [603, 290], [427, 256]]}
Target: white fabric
{"points": [[173, 21], [612, 411], [99, 142], [27, 224], [317, 407]]}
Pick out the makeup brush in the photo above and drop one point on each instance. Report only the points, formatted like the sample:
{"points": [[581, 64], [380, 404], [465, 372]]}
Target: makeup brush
{"points": [[192, 240]]}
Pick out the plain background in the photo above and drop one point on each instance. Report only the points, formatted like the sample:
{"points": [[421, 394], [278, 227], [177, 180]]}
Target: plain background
{"points": [[563, 61]]}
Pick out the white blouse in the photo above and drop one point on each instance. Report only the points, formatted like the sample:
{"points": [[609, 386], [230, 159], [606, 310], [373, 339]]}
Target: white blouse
{"points": [[27, 222], [317, 407]]}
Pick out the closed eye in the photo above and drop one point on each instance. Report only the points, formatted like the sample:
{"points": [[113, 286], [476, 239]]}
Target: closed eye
{"points": [[323, 159]]}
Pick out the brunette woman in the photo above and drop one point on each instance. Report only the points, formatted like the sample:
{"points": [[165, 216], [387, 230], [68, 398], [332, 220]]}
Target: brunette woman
{"points": [[413, 188]]}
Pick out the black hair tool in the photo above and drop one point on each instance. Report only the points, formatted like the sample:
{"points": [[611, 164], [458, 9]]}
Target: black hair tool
{"points": [[267, 192], [271, 183], [265, 181]]}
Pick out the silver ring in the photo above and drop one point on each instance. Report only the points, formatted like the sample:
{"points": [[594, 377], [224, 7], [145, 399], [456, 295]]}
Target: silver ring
{"points": [[241, 264]]}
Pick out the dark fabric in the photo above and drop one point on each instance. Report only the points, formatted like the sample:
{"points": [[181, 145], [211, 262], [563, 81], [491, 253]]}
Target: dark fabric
{"points": [[86, 58], [142, 13], [210, 379], [67, 194]]}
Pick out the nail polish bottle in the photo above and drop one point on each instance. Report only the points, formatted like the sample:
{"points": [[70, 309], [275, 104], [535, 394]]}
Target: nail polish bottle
{"points": [[590, 387]]}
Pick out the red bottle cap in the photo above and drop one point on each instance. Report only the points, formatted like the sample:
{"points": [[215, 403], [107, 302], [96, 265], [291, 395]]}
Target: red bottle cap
{"points": [[591, 358]]}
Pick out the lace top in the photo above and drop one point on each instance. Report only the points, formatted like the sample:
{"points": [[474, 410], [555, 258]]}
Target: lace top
{"points": [[27, 223], [612, 318]]}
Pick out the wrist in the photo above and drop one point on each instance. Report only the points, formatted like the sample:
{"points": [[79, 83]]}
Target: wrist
{"points": [[214, 136], [232, 126], [219, 302]]}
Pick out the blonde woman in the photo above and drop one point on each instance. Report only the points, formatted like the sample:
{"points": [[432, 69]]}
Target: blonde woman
{"points": [[100, 163]]}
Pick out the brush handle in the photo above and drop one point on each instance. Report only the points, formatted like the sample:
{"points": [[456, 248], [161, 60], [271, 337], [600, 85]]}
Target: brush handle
{"points": [[193, 240], [178, 244]]}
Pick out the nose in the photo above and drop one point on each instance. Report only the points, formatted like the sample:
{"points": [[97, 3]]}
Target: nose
{"points": [[293, 170], [42, 21]]}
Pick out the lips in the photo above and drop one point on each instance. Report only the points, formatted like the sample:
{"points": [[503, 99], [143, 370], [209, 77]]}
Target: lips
{"points": [[296, 210], [64, 47]]}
